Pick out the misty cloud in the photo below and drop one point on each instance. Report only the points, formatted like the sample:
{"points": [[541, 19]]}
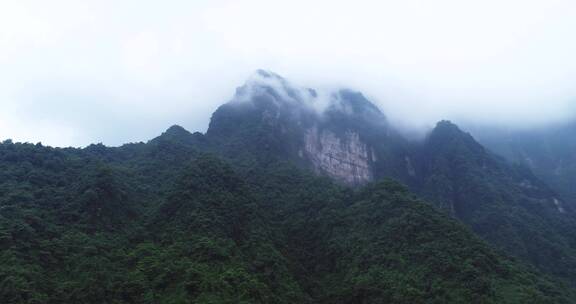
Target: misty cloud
{"points": [[76, 72]]}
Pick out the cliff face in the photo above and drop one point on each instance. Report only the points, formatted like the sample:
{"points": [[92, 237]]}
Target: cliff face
{"points": [[345, 158]]}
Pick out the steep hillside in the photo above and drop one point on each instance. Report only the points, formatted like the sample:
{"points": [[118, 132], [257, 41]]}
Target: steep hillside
{"points": [[94, 226], [503, 203], [548, 151]]}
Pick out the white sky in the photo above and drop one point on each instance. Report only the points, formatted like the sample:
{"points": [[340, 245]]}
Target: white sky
{"points": [[77, 72]]}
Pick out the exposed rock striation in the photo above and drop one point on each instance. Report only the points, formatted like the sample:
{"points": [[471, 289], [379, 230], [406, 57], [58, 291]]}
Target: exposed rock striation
{"points": [[345, 158]]}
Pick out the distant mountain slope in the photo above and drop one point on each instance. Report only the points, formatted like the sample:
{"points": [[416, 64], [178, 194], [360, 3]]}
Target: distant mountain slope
{"points": [[548, 151], [505, 204]]}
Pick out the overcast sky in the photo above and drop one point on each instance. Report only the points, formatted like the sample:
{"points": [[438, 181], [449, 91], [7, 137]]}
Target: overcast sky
{"points": [[76, 72]]}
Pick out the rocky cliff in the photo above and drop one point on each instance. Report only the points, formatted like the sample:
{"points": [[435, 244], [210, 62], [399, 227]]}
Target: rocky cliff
{"points": [[345, 158], [324, 132]]}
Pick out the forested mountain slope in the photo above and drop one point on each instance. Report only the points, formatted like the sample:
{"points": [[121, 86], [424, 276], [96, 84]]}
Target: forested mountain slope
{"points": [[287, 198], [95, 226]]}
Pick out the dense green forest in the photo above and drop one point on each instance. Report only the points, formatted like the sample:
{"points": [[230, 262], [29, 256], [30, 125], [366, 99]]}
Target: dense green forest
{"points": [[163, 223], [280, 203]]}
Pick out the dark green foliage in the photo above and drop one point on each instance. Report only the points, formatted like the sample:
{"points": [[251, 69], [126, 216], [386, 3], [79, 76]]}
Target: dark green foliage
{"points": [[91, 240], [163, 223], [405, 252]]}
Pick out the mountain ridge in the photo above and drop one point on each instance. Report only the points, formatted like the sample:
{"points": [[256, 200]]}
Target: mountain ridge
{"points": [[449, 168], [282, 201]]}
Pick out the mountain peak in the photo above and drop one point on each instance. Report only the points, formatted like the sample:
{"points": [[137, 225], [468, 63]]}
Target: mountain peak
{"points": [[176, 130], [269, 86], [265, 78], [446, 128], [177, 134], [266, 87], [266, 74], [354, 103], [447, 135], [445, 123]]}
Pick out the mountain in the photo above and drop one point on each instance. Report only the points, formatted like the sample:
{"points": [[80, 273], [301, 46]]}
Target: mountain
{"points": [[505, 204], [269, 119], [132, 225], [550, 152], [344, 136], [289, 197]]}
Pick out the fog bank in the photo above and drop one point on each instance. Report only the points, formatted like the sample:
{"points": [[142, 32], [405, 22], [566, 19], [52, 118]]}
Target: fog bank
{"points": [[78, 72]]}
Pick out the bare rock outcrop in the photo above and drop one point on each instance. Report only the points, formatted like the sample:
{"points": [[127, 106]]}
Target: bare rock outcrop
{"points": [[345, 158]]}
